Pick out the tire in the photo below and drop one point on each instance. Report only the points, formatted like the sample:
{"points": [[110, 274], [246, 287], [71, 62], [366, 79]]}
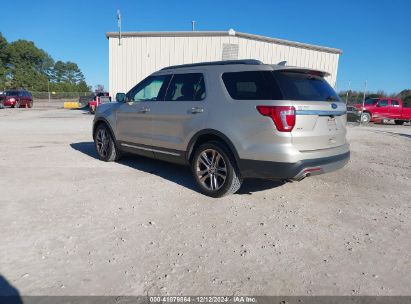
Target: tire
{"points": [[30, 104], [365, 117], [208, 165], [105, 145], [399, 122], [17, 104]]}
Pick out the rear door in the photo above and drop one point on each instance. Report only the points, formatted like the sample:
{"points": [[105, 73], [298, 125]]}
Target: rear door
{"points": [[395, 109], [26, 98], [320, 113], [179, 116], [22, 98]]}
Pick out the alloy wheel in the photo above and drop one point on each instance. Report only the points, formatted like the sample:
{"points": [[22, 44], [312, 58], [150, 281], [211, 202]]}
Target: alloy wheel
{"points": [[211, 169], [103, 142]]}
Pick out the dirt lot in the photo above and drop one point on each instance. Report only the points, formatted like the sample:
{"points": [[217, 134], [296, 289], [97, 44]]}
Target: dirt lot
{"points": [[73, 225]]}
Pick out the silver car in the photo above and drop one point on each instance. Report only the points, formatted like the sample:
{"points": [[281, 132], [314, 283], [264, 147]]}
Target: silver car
{"points": [[229, 120]]}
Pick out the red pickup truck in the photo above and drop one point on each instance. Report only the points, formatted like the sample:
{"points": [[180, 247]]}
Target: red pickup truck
{"points": [[377, 109], [98, 99]]}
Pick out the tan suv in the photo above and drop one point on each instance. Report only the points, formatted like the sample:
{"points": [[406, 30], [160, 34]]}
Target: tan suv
{"points": [[229, 120]]}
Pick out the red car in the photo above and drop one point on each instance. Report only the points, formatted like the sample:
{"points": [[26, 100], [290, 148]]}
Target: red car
{"points": [[377, 109], [16, 98]]}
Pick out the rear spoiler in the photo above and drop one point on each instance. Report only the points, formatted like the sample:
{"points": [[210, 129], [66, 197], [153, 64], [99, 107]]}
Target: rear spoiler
{"points": [[302, 71]]}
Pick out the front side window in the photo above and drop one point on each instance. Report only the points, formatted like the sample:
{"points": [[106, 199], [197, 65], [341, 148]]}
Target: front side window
{"points": [[371, 101], [383, 103], [151, 89], [12, 93], [186, 87]]}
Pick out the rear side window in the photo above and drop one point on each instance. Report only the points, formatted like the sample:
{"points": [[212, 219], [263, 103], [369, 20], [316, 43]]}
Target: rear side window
{"points": [[301, 86], [395, 103], [383, 103], [253, 85], [186, 87]]}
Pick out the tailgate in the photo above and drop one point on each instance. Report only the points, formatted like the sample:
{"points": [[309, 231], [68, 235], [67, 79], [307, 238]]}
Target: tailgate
{"points": [[319, 125]]}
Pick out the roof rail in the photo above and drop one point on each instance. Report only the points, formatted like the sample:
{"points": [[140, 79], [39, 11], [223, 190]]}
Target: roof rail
{"points": [[224, 62]]}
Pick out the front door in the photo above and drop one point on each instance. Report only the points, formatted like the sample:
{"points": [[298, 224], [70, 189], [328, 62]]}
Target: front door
{"points": [[382, 109], [134, 126]]}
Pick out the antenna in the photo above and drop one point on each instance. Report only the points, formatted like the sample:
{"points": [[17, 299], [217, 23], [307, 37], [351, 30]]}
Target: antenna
{"points": [[193, 24], [119, 26]]}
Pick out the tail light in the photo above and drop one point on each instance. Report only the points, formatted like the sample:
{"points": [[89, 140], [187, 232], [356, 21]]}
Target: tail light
{"points": [[282, 116], [12, 99]]}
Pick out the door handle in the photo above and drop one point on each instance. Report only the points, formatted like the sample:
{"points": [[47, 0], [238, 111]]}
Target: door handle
{"points": [[196, 110], [143, 110]]}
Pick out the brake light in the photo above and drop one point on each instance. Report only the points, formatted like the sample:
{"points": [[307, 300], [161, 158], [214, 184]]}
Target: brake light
{"points": [[282, 116], [12, 99]]}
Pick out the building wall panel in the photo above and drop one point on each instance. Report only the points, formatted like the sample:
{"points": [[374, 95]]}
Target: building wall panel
{"points": [[137, 57]]}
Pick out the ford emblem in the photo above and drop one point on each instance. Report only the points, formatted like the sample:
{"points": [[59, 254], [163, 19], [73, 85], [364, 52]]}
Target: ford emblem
{"points": [[334, 106]]}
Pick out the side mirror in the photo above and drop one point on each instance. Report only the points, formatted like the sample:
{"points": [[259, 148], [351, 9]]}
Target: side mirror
{"points": [[121, 97], [377, 105]]}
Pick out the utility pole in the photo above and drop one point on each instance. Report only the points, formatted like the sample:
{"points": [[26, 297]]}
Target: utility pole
{"points": [[48, 88], [348, 92], [119, 26], [363, 101]]}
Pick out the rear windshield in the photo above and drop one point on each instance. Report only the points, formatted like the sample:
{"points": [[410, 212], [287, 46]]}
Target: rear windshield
{"points": [[278, 85], [299, 86], [12, 93]]}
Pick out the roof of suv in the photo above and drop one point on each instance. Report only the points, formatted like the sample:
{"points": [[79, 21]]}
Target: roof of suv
{"points": [[211, 63], [243, 65], [15, 90]]}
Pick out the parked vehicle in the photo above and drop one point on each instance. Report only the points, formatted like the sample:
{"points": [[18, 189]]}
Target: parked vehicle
{"points": [[353, 114], [17, 98], [99, 98], [378, 109], [229, 120]]}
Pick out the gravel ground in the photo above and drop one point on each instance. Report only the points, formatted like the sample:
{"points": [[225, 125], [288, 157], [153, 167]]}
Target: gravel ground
{"points": [[73, 225]]}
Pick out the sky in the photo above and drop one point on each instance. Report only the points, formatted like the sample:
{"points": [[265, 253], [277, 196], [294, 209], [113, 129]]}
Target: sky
{"points": [[375, 36]]}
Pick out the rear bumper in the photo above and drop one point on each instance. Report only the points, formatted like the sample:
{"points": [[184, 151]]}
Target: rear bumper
{"points": [[293, 171]]}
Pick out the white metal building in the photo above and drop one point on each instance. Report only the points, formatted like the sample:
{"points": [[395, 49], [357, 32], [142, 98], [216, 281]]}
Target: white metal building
{"points": [[137, 54]]}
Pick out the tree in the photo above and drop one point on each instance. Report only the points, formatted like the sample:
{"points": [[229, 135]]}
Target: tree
{"points": [[4, 59], [23, 65], [99, 88], [67, 72], [28, 65]]}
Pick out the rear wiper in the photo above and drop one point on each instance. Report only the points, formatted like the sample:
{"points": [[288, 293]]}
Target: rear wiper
{"points": [[331, 98]]}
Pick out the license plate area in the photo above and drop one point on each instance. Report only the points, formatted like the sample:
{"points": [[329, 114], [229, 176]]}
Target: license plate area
{"points": [[331, 124]]}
